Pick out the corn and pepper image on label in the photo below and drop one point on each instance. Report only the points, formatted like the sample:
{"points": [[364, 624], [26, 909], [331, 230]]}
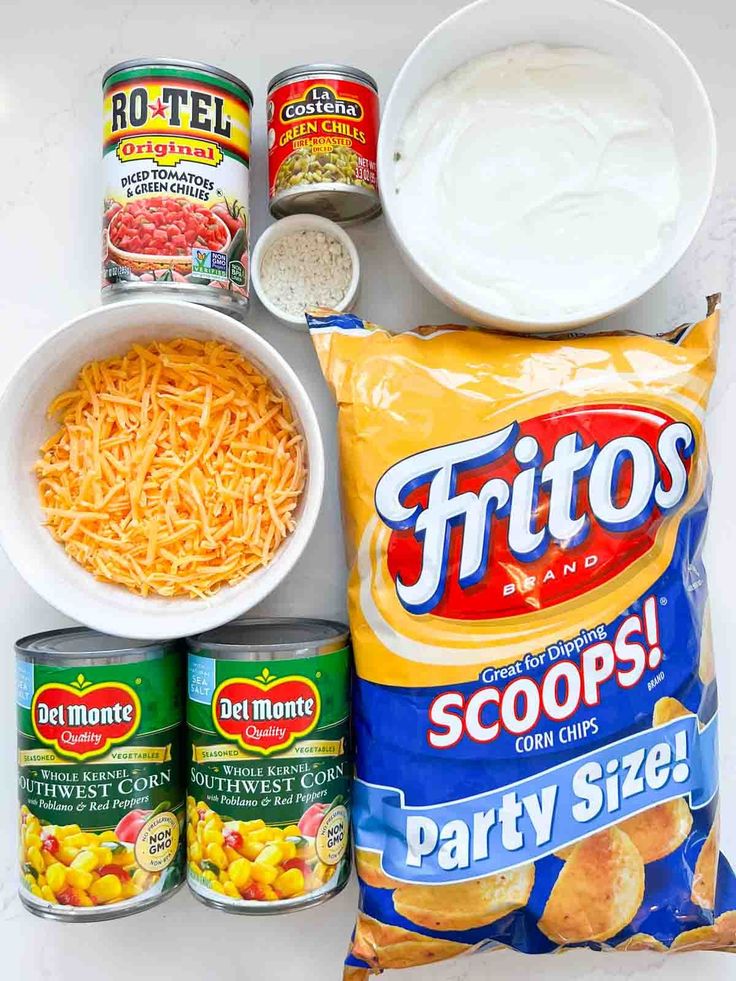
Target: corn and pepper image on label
{"points": [[248, 860], [69, 867]]}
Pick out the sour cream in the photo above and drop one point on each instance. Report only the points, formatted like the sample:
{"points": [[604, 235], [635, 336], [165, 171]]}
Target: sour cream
{"points": [[538, 183]]}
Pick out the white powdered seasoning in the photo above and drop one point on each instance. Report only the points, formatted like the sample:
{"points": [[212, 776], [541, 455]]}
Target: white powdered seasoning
{"points": [[306, 268]]}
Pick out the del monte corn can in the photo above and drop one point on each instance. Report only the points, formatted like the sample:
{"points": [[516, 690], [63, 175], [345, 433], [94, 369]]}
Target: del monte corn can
{"points": [[100, 781], [176, 153], [269, 764]]}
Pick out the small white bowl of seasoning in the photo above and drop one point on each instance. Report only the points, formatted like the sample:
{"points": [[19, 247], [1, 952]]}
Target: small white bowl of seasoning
{"points": [[305, 261]]}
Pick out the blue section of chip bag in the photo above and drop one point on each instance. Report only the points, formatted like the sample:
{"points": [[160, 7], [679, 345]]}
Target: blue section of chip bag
{"points": [[336, 321], [399, 758]]}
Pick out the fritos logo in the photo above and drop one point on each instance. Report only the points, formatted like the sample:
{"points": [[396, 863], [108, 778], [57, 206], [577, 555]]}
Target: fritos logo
{"points": [[265, 714], [82, 720], [533, 514]]}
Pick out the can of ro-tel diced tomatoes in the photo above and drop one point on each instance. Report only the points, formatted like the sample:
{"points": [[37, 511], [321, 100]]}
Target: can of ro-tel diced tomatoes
{"points": [[100, 775], [176, 153], [322, 140], [270, 766]]}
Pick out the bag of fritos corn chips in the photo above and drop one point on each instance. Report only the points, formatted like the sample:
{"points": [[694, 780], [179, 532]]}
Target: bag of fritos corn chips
{"points": [[535, 707]]}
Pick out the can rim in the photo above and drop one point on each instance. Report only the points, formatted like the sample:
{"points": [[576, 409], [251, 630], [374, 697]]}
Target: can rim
{"points": [[334, 193], [327, 634], [266, 909], [100, 914], [234, 304], [177, 63], [36, 646], [322, 67]]}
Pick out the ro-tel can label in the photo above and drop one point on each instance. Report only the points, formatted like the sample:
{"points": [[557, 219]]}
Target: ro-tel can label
{"points": [[100, 785], [322, 139], [269, 780], [176, 152]]}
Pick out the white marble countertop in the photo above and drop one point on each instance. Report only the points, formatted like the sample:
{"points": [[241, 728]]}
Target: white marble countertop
{"points": [[52, 56]]}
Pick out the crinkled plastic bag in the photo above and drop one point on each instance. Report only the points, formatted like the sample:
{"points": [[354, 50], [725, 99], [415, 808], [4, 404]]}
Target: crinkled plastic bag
{"points": [[535, 709]]}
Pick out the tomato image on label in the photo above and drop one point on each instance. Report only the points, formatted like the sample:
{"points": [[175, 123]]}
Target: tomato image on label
{"points": [[266, 714], [166, 226], [311, 819], [83, 719], [129, 826]]}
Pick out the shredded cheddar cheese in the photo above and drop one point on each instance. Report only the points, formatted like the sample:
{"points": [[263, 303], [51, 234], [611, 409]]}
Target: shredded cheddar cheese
{"points": [[176, 469]]}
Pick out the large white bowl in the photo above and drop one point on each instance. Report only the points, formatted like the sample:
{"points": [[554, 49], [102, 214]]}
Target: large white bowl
{"points": [[42, 561], [604, 25]]}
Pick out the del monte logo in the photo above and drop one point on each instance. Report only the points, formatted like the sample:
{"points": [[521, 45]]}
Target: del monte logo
{"points": [[265, 714], [83, 719], [533, 514]]}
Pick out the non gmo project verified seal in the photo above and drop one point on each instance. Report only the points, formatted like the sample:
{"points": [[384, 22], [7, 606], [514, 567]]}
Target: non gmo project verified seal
{"points": [[209, 263]]}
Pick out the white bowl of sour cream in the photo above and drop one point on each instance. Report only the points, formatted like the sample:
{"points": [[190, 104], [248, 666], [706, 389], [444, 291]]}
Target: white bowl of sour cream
{"points": [[543, 164]]}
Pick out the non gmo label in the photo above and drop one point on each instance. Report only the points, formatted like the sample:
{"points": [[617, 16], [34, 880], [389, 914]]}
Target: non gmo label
{"points": [[209, 263], [157, 842], [331, 839]]}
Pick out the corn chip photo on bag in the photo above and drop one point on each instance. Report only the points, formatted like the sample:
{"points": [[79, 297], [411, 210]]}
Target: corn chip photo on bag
{"points": [[535, 706]]}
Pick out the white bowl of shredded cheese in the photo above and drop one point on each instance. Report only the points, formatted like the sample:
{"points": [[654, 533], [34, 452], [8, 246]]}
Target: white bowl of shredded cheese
{"points": [[53, 368], [305, 261], [541, 164]]}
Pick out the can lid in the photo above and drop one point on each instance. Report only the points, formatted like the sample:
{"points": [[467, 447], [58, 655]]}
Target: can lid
{"points": [[73, 642], [319, 68], [277, 634], [177, 63]]}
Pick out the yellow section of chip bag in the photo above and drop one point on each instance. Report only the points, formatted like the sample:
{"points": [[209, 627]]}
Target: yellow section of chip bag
{"points": [[721, 935], [706, 869], [382, 946], [368, 867], [465, 905], [660, 830], [534, 708], [598, 892], [667, 709], [642, 941], [435, 389]]}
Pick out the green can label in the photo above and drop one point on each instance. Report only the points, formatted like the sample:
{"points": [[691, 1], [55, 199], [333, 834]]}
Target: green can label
{"points": [[269, 778], [100, 783]]}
